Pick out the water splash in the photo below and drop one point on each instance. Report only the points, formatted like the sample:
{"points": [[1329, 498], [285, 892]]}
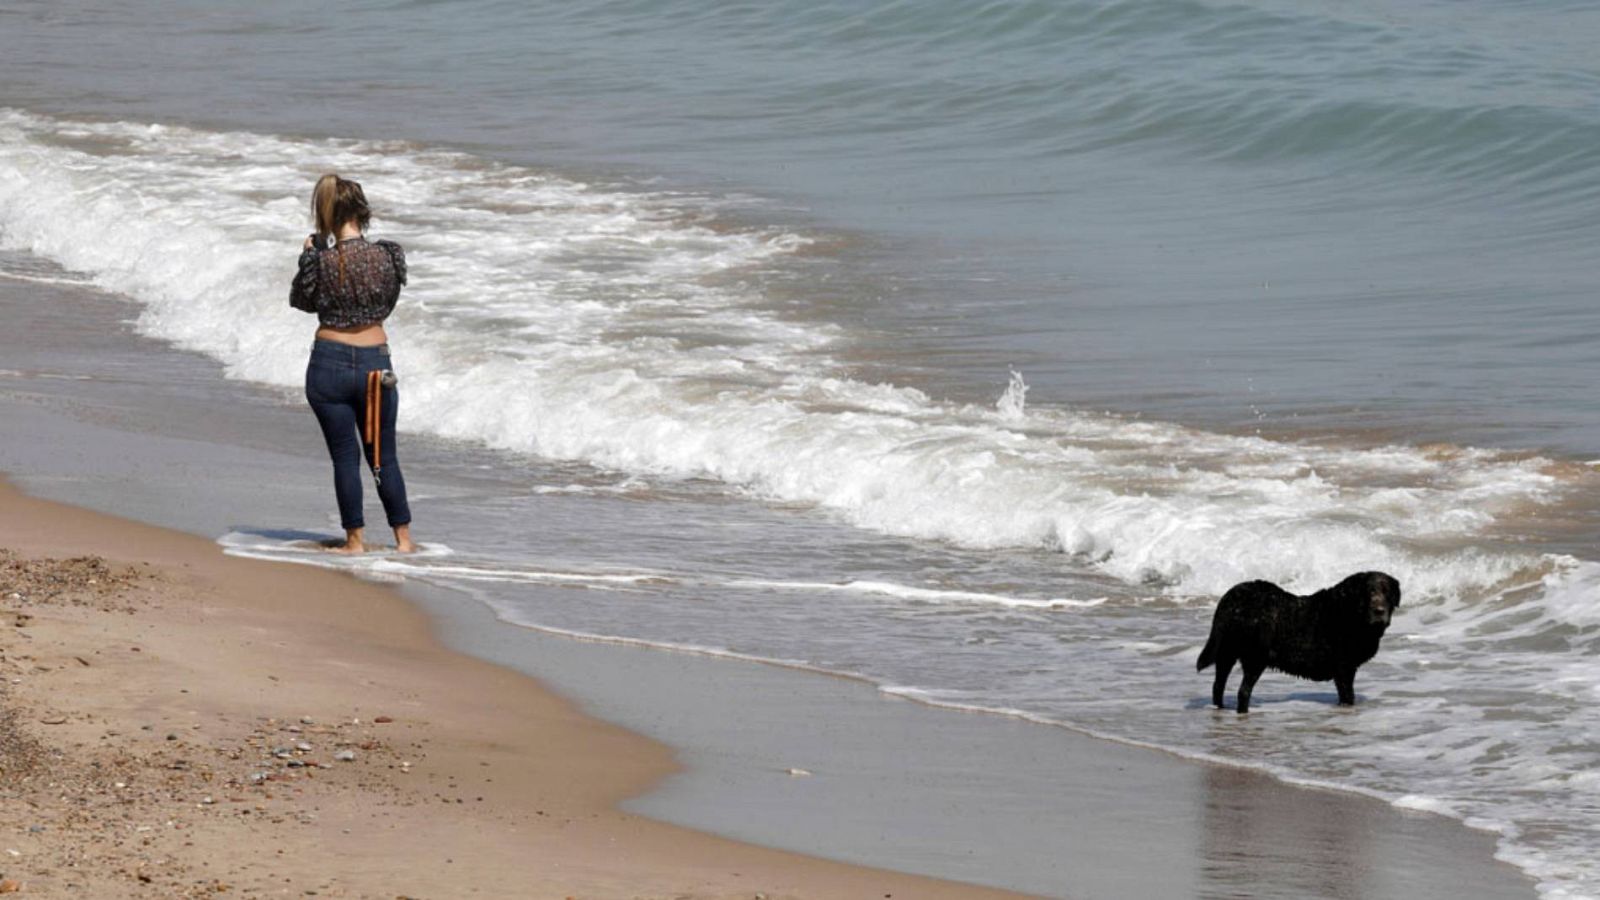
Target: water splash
{"points": [[1012, 404]]}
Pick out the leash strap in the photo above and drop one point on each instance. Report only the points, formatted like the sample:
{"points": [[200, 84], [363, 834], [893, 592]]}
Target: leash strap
{"points": [[374, 429]]}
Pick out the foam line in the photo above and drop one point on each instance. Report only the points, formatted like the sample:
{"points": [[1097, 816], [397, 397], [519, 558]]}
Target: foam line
{"points": [[594, 323]]}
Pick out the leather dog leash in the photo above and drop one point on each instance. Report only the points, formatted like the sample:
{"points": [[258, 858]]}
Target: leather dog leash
{"points": [[374, 429]]}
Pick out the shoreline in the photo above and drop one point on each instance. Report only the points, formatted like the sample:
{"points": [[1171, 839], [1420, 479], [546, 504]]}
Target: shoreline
{"points": [[1062, 808], [226, 626], [1114, 818], [238, 650], [428, 720]]}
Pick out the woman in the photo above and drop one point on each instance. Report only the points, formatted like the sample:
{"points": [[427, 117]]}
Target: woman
{"points": [[352, 286]]}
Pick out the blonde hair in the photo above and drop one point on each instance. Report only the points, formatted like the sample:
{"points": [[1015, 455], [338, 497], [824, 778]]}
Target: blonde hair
{"points": [[335, 201]]}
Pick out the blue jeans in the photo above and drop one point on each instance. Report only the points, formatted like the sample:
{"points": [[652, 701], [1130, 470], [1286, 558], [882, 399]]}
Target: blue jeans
{"points": [[336, 387]]}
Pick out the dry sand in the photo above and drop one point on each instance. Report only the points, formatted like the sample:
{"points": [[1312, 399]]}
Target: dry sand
{"points": [[172, 723]]}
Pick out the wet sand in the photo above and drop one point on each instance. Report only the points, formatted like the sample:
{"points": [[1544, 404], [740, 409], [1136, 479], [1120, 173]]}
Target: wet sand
{"points": [[159, 726]]}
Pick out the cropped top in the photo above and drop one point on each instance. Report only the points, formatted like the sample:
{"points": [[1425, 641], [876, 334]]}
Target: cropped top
{"points": [[355, 283]]}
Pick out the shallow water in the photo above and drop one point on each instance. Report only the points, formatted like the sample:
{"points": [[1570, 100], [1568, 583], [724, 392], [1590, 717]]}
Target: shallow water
{"points": [[724, 309]]}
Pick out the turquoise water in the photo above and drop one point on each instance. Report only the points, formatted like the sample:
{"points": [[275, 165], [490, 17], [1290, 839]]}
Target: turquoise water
{"points": [[969, 348]]}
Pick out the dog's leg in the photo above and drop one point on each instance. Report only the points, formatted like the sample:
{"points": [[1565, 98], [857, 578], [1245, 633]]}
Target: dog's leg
{"points": [[1345, 681], [1220, 684], [1252, 671]]}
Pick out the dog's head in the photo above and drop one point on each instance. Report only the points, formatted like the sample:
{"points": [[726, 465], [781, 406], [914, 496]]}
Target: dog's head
{"points": [[1380, 594]]}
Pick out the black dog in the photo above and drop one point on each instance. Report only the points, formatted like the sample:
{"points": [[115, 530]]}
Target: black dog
{"points": [[1326, 635]]}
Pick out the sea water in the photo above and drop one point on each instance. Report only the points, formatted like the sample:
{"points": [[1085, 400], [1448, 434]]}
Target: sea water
{"points": [[970, 348]]}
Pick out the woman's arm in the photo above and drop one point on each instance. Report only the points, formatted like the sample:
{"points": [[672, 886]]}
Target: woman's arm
{"points": [[303, 291], [397, 258]]}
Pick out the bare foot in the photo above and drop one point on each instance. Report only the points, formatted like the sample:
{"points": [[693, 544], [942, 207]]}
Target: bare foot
{"points": [[402, 540], [352, 543]]}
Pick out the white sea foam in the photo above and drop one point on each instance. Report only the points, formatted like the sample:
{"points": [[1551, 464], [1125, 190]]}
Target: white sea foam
{"points": [[630, 486], [1571, 593], [924, 595], [304, 548], [44, 279], [526, 575], [1013, 404], [587, 322], [438, 563], [61, 376], [426, 563]]}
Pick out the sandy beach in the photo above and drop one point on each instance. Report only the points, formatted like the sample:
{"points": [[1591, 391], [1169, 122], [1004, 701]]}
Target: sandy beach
{"points": [[181, 720], [177, 722]]}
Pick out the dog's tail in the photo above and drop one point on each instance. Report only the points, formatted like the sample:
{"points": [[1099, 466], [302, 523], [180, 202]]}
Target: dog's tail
{"points": [[1208, 654]]}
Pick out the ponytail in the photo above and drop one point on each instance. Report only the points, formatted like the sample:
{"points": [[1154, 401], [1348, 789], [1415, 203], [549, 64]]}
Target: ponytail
{"points": [[322, 202], [334, 202]]}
